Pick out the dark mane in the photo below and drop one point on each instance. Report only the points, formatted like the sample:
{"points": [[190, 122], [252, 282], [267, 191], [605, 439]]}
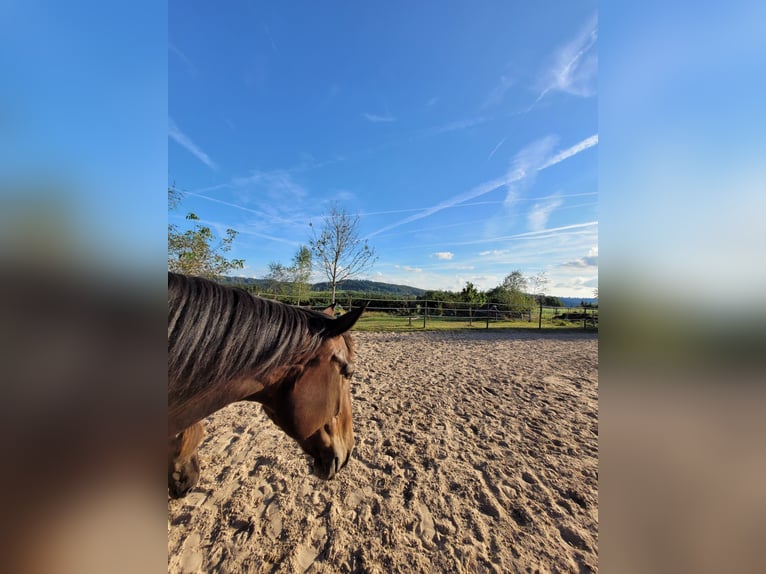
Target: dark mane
{"points": [[217, 333]]}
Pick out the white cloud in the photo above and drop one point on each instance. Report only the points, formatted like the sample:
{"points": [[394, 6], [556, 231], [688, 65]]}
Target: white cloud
{"points": [[590, 261], [444, 255], [185, 141]]}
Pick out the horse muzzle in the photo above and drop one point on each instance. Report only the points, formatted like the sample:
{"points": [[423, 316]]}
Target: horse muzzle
{"points": [[330, 463]]}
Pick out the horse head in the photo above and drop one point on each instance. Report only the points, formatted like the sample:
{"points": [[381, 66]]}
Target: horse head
{"points": [[313, 402]]}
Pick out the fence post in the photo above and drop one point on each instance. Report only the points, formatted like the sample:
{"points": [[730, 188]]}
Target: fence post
{"points": [[425, 312], [540, 315]]}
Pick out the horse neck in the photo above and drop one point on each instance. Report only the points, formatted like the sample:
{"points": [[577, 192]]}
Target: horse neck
{"points": [[213, 399]]}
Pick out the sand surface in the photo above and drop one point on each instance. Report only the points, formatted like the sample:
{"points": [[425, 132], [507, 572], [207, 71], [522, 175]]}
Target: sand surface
{"points": [[475, 452]]}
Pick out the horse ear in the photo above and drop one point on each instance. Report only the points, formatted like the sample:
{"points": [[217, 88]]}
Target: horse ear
{"points": [[330, 310], [344, 322]]}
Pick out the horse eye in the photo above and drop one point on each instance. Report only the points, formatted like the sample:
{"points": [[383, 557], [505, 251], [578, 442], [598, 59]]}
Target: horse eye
{"points": [[347, 371]]}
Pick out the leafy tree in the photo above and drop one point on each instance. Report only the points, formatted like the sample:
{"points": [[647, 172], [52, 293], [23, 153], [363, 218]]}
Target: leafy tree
{"points": [[341, 253], [277, 278], [293, 280], [551, 301], [438, 295], [512, 292], [515, 282], [301, 268], [197, 251], [498, 294], [473, 297]]}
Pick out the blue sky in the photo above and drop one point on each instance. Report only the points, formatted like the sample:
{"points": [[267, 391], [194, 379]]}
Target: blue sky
{"points": [[465, 135]]}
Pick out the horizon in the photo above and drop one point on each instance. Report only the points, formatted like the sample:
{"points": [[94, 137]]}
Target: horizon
{"points": [[464, 138], [591, 297]]}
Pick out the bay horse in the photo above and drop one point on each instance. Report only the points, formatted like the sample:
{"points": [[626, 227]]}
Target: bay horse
{"points": [[226, 345]]}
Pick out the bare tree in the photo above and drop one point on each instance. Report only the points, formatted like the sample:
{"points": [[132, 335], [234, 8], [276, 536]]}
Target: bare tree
{"points": [[539, 283], [341, 253]]}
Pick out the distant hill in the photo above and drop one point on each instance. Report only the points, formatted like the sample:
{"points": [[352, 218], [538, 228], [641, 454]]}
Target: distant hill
{"points": [[364, 286], [243, 281], [358, 285], [575, 301]]}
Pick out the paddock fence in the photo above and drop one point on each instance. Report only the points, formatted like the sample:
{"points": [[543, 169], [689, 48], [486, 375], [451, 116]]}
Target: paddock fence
{"points": [[414, 313]]}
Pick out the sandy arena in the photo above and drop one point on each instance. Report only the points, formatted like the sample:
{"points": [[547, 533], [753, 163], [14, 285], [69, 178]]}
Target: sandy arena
{"points": [[475, 452]]}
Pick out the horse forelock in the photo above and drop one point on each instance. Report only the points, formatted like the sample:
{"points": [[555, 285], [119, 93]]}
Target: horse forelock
{"points": [[218, 333]]}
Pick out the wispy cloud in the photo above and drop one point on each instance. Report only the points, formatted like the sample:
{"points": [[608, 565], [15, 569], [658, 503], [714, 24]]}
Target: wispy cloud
{"points": [[497, 93], [276, 194], [569, 152], [409, 268], [552, 230], [378, 119], [574, 66], [278, 238], [460, 125], [190, 67], [525, 165], [538, 216], [185, 141], [276, 185], [497, 147], [447, 255], [532, 155], [475, 192], [278, 201], [270, 37]]}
